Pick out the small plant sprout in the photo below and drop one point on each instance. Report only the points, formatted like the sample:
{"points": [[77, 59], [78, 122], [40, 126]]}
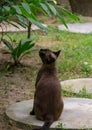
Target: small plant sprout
{"points": [[20, 50], [60, 125], [83, 92]]}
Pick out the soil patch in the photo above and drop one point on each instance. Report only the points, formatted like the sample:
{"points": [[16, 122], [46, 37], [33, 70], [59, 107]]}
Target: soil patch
{"points": [[16, 83]]}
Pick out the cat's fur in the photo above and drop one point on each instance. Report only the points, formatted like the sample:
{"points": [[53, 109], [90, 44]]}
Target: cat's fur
{"points": [[48, 103]]}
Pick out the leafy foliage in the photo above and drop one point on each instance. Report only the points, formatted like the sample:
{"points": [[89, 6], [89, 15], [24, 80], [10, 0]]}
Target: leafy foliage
{"points": [[20, 50], [25, 11]]}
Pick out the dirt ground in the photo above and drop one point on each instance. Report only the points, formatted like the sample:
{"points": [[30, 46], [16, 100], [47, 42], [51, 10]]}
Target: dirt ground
{"points": [[16, 83]]}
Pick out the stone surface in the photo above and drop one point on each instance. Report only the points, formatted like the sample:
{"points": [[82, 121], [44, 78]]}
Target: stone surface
{"points": [[77, 27], [10, 28], [77, 114], [77, 85]]}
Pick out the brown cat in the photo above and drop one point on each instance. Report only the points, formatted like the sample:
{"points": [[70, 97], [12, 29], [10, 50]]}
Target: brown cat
{"points": [[48, 103]]}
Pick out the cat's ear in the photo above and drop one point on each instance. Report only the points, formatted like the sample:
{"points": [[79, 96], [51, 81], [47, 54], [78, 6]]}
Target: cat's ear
{"points": [[57, 53]]}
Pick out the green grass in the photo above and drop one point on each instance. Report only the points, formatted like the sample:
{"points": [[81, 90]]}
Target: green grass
{"points": [[76, 55], [81, 94], [75, 60]]}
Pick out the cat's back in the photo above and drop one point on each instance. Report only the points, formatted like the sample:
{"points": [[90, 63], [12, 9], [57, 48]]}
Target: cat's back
{"points": [[48, 77], [48, 85]]}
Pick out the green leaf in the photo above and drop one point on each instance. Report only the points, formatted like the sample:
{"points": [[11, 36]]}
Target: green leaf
{"points": [[52, 8], [26, 41], [24, 12], [26, 45], [14, 54], [8, 44], [7, 8], [38, 24], [62, 19], [26, 7], [21, 21], [25, 53], [45, 8], [69, 14], [22, 47], [18, 10]]}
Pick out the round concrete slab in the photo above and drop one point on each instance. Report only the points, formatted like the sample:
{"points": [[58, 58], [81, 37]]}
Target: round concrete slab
{"points": [[77, 114], [77, 85]]}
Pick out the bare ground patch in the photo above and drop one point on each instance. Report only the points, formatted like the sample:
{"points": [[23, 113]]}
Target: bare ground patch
{"points": [[16, 84]]}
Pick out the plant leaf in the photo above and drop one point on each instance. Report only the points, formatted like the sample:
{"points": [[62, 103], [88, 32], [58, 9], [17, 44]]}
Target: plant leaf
{"points": [[8, 44], [25, 13], [38, 24], [18, 10], [62, 19], [26, 7], [23, 47], [52, 9], [21, 21], [26, 40], [7, 8], [45, 8], [72, 16], [26, 52]]}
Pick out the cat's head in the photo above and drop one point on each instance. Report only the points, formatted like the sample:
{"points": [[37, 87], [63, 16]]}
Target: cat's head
{"points": [[48, 56]]}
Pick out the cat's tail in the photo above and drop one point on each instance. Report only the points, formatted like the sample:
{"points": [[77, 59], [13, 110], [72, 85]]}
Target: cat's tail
{"points": [[49, 120]]}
